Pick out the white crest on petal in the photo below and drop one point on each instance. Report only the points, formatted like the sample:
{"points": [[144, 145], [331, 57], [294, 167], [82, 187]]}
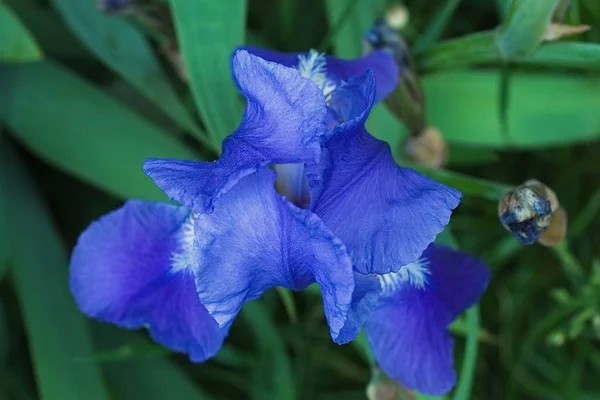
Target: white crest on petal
{"points": [[185, 257], [313, 66], [414, 274]]}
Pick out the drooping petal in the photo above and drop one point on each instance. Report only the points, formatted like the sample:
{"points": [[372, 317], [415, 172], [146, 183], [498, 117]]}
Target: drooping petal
{"points": [[386, 215], [255, 239], [367, 290], [408, 329], [132, 268], [282, 124], [380, 61]]}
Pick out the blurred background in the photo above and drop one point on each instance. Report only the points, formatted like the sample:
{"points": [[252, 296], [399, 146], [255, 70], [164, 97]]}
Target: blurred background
{"points": [[89, 90]]}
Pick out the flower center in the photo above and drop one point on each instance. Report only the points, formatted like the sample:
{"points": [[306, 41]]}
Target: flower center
{"points": [[292, 183], [313, 66], [414, 274], [185, 257]]}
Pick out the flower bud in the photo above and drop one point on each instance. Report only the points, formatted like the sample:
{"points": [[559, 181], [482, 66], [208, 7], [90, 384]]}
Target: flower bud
{"points": [[428, 148], [525, 212]]}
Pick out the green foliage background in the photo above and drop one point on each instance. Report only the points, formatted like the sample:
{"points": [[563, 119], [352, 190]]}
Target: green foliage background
{"points": [[86, 97]]}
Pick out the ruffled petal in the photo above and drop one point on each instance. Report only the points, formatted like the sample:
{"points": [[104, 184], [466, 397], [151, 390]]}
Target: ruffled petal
{"points": [[408, 329], [367, 291], [385, 215], [380, 61], [131, 268], [255, 240], [283, 122]]}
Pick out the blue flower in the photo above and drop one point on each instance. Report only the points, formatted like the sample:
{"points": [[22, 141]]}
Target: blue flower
{"points": [[344, 208], [407, 330]]}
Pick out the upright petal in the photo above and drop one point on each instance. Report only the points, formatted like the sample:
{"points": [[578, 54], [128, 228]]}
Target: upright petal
{"points": [[132, 268], [408, 329], [385, 215], [255, 240], [282, 124], [380, 61]]}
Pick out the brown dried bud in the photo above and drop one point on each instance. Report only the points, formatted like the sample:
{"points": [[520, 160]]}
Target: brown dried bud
{"points": [[428, 148], [557, 230], [555, 31], [382, 387]]}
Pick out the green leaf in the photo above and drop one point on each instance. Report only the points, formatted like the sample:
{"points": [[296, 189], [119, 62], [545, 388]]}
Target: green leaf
{"points": [[585, 56], [525, 25], [468, 185], [287, 298], [146, 378], [467, 372], [16, 42], [543, 110], [208, 32], [485, 48], [435, 28], [124, 49], [272, 377], [57, 332], [79, 129], [348, 20], [47, 27], [470, 49]]}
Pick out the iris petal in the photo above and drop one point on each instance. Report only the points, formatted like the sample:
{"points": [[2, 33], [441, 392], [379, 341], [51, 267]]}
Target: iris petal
{"points": [[122, 272], [255, 240], [380, 61], [408, 329], [282, 124], [386, 215], [366, 294]]}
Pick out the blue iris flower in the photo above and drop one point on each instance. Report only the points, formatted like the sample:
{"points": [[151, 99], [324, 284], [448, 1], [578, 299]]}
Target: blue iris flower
{"points": [[407, 330], [343, 212]]}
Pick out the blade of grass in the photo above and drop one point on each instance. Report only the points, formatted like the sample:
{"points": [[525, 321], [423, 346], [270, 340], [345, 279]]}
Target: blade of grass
{"points": [[125, 50], [586, 216], [83, 131], [467, 372], [154, 378], [56, 330], [207, 44], [287, 298], [435, 28], [16, 42], [348, 20], [484, 48], [273, 374]]}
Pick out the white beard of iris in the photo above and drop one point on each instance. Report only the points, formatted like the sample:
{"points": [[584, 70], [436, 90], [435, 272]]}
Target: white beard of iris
{"points": [[414, 274]]}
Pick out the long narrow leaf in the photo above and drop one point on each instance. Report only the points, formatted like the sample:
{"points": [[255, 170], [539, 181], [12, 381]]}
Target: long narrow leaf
{"points": [[57, 332], [83, 131], [148, 378], [525, 25], [208, 32], [543, 110], [348, 20], [124, 49], [16, 42]]}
